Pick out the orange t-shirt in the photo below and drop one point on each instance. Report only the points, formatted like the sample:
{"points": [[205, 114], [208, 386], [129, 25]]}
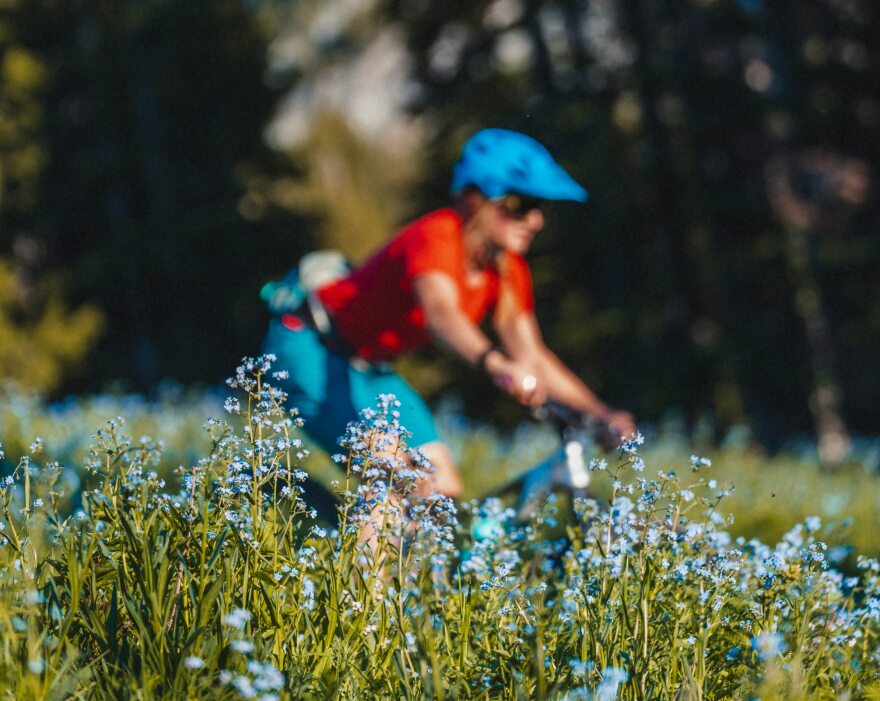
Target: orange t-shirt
{"points": [[374, 309]]}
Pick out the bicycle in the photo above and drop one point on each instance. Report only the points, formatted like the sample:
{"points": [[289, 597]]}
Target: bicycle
{"points": [[566, 470]]}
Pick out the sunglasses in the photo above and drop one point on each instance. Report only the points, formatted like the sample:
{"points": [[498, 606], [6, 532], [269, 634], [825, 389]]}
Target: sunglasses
{"points": [[518, 206]]}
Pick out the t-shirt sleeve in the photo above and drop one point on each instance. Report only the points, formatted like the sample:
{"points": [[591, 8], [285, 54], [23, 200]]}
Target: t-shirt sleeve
{"points": [[432, 244], [520, 278]]}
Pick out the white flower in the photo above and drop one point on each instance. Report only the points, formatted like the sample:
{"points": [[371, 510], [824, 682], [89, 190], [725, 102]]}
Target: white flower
{"points": [[193, 662], [245, 687], [768, 644], [612, 678], [243, 646], [238, 618], [410, 641], [697, 462]]}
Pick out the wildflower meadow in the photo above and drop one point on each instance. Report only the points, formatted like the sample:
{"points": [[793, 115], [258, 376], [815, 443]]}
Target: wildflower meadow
{"points": [[216, 580]]}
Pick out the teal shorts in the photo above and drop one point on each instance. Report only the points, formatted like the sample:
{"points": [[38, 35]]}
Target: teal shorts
{"points": [[329, 391]]}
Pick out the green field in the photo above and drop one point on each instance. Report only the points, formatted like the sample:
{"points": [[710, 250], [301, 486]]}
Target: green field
{"points": [[189, 568]]}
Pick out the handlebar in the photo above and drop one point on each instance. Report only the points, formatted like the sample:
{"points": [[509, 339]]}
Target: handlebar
{"points": [[565, 420]]}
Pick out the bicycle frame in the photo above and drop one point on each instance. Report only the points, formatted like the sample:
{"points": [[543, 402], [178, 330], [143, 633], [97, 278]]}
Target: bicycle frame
{"points": [[566, 469]]}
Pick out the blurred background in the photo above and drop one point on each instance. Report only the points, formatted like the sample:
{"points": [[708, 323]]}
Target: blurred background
{"points": [[161, 159]]}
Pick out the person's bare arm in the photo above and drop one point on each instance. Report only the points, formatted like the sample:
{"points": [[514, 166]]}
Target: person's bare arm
{"points": [[437, 295], [522, 340]]}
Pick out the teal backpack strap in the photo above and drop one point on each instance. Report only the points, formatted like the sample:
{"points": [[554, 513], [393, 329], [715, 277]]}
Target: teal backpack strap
{"points": [[285, 295]]}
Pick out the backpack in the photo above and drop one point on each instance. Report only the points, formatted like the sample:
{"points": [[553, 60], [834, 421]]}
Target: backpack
{"points": [[314, 270]]}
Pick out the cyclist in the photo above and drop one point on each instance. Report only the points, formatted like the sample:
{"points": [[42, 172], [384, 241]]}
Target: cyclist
{"points": [[435, 280]]}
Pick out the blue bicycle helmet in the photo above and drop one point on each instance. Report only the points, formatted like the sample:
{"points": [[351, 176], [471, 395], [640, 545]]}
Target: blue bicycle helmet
{"points": [[499, 161]]}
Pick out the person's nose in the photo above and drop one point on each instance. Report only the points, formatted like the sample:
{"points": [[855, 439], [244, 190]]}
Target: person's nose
{"points": [[535, 219]]}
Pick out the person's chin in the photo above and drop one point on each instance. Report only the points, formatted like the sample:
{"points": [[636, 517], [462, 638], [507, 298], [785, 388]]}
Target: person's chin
{"points": [[521, 246]]}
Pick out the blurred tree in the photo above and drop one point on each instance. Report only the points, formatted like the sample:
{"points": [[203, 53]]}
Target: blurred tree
{"points": [[40, 350], [154, 114], [678, 293], [807, 214], [41, 342], [354, 191], [682, 283], [22, 156], [355, 154]]}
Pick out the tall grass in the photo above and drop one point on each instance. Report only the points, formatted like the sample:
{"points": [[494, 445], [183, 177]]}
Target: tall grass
{"points": [[228, 589], [772, 493]]}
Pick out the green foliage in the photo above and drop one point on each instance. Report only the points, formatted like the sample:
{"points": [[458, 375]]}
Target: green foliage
{"points": [[132, 149], [670, 114], [41, 340], [66, 428], [39, 352], [151, 116], [226, 590], [350, 171], [771, 493], [355, 190], [22, 149]]}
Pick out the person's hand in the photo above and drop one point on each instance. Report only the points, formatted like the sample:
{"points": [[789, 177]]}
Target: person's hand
{"points": [[519, 380], [621, 424]]}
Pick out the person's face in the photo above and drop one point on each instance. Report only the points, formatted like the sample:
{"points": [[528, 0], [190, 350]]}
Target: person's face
{"points": [[513, 221]]}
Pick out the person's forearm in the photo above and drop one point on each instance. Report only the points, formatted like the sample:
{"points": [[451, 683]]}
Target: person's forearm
{"points": [[452, 330], [568, 389]]}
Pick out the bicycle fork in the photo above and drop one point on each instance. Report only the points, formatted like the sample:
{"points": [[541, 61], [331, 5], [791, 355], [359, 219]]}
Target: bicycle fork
{"points": [[566, 469]]}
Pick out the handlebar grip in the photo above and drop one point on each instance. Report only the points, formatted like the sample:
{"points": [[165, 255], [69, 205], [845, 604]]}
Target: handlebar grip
{"points": [[558, 413]]}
